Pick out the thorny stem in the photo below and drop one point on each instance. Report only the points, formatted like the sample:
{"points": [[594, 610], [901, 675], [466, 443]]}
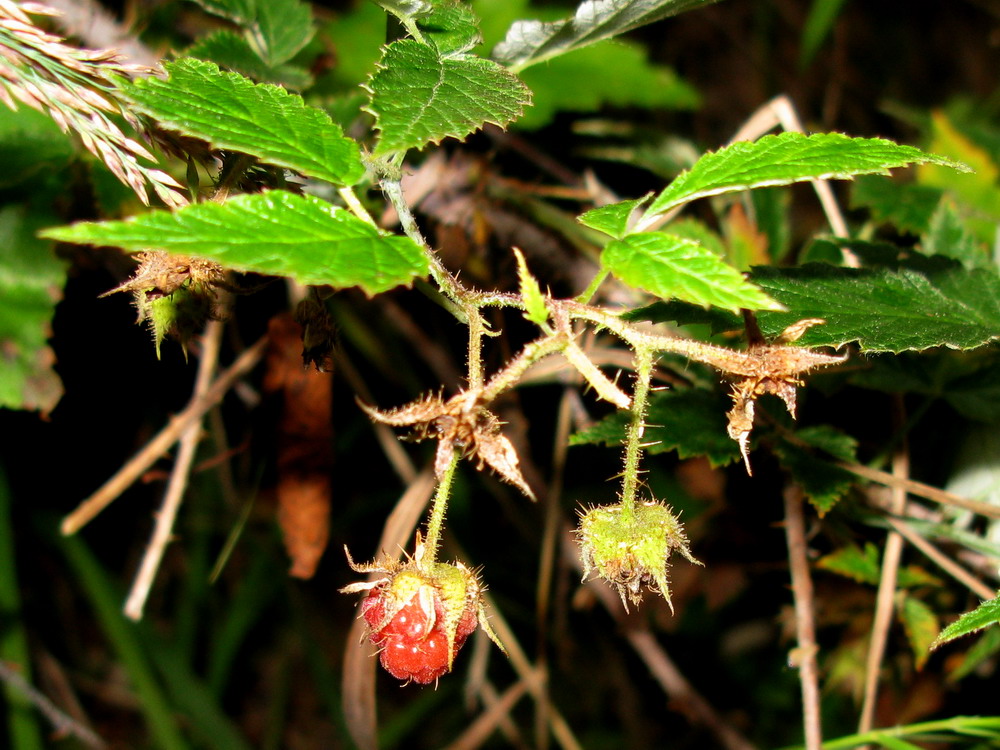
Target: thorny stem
{"points": [[448, 284], [530, 354], [474, 361], [637, 426], [440, 504]]}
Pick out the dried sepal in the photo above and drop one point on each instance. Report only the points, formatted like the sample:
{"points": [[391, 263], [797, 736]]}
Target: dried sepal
{"points": [[770, 368], [175, 294], [461, 423]]}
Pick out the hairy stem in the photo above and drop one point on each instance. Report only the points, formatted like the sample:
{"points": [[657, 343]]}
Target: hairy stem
{"points": [[636, 428], [440, 504]]}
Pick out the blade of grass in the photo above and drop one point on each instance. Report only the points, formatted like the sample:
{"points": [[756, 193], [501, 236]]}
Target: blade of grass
{"points": [[192, 697], [243, 611], [22, 723], [126, 640], [981, 726]]}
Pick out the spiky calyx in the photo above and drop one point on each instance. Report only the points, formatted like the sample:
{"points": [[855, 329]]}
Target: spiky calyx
{"points": [[632, 550]]}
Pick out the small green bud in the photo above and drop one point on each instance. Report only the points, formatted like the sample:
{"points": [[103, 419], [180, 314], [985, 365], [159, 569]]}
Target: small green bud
{"points": [[632, 549]]}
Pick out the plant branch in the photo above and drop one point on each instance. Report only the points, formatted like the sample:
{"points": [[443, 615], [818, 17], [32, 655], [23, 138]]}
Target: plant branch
{"points": [[920, 489], [190, 437], [805, 626], [433, 538], [636, 428], [942, 560], [885, 599], [196, 408]]}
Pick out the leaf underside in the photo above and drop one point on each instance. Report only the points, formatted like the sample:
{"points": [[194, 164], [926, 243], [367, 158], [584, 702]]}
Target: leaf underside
{"points": [[531, 42]]}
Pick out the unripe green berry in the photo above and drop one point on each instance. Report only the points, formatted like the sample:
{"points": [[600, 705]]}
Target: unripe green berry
{"points": [[631, 548]]}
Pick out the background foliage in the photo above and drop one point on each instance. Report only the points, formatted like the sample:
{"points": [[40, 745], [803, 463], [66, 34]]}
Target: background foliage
{"points": [[232, 652]]}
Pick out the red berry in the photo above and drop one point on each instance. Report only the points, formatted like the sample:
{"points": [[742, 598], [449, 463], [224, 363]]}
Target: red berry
{"points": [[413, 642]]}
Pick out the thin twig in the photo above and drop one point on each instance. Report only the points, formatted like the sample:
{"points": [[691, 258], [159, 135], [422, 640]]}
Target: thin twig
{"points": [[922, 490], [885, 600], [63, 724], [951, 567], [781, 111], [528, 674], [805, 626], [480, 730], [159, 445], [394, 452], [675, 685], [172, 498]]}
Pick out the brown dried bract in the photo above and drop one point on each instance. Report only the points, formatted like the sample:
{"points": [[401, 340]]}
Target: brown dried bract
{"points": [[462, 422], [161, 274], [770, 368]]}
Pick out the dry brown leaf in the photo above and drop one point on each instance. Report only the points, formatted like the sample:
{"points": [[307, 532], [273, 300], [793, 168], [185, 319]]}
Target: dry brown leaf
{"points": [[305, 447]]}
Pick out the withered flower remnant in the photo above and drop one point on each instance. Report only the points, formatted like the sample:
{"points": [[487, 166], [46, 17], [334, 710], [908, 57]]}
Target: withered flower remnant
{"points": [[464, 423]]}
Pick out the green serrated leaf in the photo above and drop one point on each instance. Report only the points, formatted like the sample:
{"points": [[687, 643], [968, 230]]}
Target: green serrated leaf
{"points": [[986, 614], [885, 310], [283, 27], [277, 29], [531, 42], [827, 438], [612, 219], [823, 483], [949, 235], [920, 624], [531, 293], [31, 281], [851, 562], [690, 421], [229, 50], [787, 158], [987, 645], [908, 207], [672, 267], [451, 27], [275, 233], [419, 97], [231, 112], [587, 79]]}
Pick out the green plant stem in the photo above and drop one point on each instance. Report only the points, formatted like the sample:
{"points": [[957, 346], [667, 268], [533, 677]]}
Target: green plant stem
{"points": [[983, 726], [588, 294], [393, 190], [636, 428], [355, 205], [439, 505], [531, 353]]}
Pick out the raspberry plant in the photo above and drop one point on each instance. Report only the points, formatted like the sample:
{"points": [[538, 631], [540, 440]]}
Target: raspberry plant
{"points": [[272, 183]]}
